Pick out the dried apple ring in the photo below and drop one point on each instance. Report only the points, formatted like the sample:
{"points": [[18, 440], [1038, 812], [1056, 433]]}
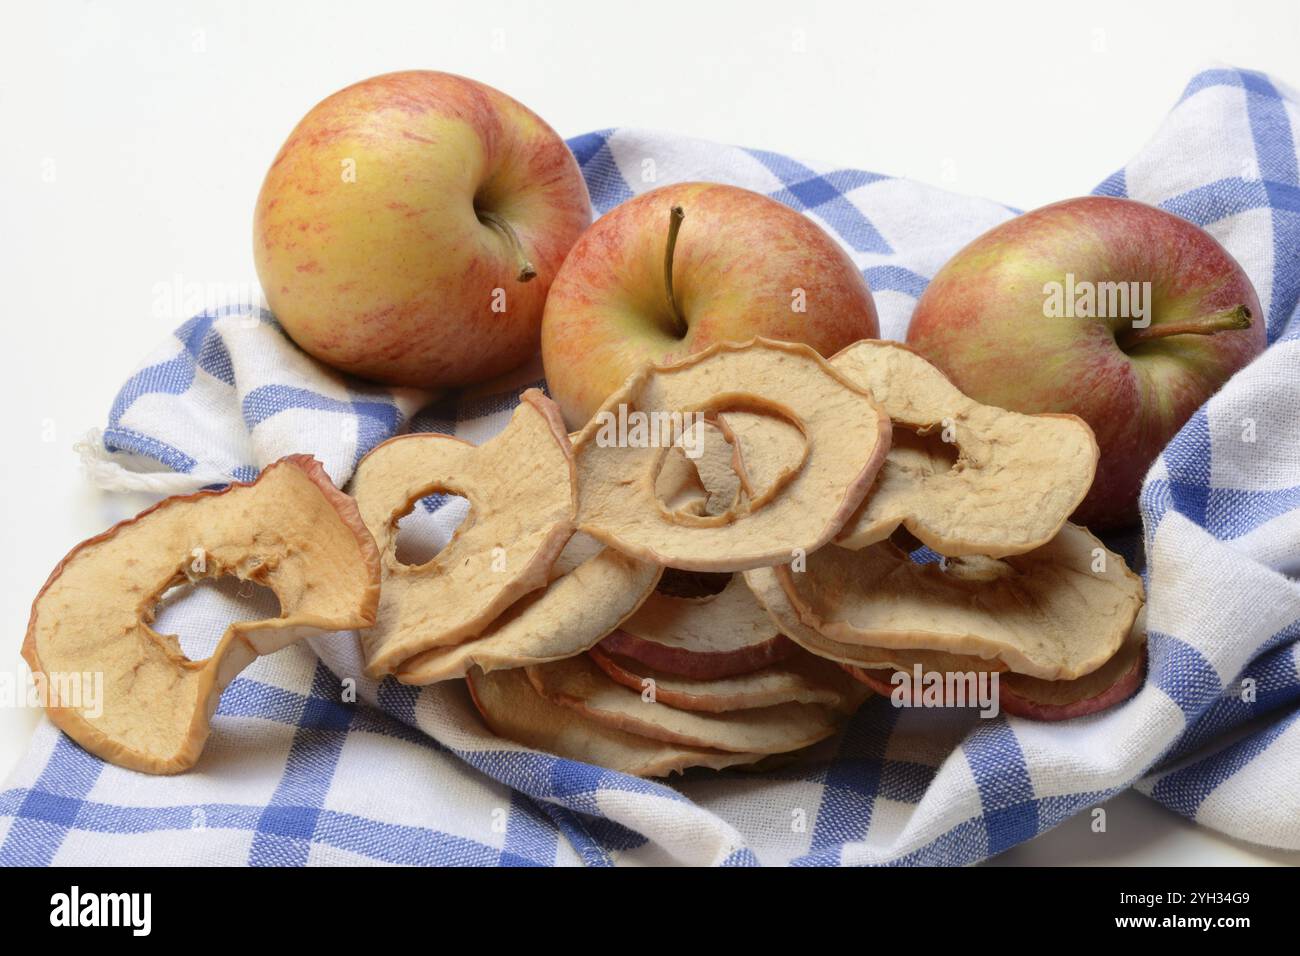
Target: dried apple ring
{"points": [[716, 466], [767, 591], [513, 709], [707, 484], [846, 432], [803, 679], [1049, 700], [768, 453], [715, 635], [290, 530], [1057, 612], [1114, 682], [596, 589], [579, 684], [1016, 478], [678, 485], [520, 486]]}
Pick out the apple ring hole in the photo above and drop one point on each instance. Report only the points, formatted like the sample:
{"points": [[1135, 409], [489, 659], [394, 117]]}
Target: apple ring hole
{"points": [[741, 456], [697, 474], [772, 449], [692, 584], [195, 614], [428, 526], [923, 452]]}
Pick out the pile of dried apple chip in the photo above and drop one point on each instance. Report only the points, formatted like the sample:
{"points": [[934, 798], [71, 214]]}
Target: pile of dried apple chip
{"points": [[786, 597], [716, 593]]}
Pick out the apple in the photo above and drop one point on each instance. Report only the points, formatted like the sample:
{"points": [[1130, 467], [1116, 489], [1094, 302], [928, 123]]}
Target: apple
{"points": [[679, 268], [411, 225], [1118, 312]]}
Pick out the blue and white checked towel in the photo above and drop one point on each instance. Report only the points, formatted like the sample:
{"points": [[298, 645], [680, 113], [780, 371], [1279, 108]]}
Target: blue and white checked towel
{"points": [[291, 775]]}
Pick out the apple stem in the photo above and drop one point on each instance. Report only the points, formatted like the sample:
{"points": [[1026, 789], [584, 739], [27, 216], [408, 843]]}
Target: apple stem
{"points": [[675, 217], [498, 222], [1225, 320]]}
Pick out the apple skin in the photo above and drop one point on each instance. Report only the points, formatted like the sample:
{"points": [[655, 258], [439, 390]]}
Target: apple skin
{"points": [[981, 320], [392, 276], [739, 258], [1091, 697]]}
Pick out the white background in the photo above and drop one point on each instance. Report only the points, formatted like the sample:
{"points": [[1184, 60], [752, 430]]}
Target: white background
{"points": [[136, 136]]}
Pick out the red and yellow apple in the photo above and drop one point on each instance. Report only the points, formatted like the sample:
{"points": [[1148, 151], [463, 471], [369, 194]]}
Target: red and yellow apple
{"points": [[646, 283], [411, 225], [1015, 320]]}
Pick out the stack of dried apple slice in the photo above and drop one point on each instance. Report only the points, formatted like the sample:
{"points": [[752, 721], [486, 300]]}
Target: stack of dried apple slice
{"points": [[705, 679], [1018, 590]]}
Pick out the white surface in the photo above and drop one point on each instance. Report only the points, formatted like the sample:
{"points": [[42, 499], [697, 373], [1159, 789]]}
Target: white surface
{"points": [[137, 136]]}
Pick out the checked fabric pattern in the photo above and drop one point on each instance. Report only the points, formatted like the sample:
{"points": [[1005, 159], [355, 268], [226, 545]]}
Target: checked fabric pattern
{"points": [[293, 775]]}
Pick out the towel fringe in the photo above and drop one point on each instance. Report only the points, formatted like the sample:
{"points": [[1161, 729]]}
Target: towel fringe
{"points": [[106, 472]]}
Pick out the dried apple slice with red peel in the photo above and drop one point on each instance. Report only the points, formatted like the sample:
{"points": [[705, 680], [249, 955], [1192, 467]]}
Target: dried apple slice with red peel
{"points": [[1016, 478], [291, 530], [802, 679], [1046, 613], [1034, 699], [1113, 683], [582, 605], [513, 709], [579, 684], [710, 637], [521, 489], [881, 680], [846, 432], [700, 665], [767, 591]]}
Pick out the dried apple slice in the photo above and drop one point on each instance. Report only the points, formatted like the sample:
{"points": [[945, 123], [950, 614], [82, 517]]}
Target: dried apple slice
{"points": [[710, 637], [678, 486], [1015, 481], [704, 485], [1035, 699], [513, 709], [769, 452], [803, 679], [1114, 682], [579, 684], [881, 680], [1057, 612], [847, 437], [716, 468], [767, 591], [521, 491], [718, 481], [583, 604], [290, 530], [699, 665]]}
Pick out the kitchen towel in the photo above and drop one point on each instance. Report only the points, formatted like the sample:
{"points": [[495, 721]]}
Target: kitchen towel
{"points": [[294, 773]]}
